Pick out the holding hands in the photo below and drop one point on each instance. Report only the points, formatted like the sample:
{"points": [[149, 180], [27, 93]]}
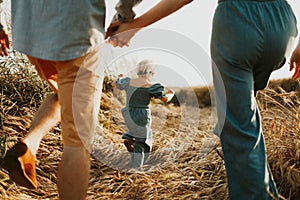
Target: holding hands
{"points": [[120, 34]]}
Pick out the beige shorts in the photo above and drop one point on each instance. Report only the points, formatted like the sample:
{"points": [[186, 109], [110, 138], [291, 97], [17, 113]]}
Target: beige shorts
{"points": [[78, 84]]}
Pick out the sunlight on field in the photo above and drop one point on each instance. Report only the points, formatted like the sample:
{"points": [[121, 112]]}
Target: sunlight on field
{"points": [[196, 174], [185, 163]]}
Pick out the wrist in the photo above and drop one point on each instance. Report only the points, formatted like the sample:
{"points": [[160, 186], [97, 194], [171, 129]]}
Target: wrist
{"points": [[138, 23]]}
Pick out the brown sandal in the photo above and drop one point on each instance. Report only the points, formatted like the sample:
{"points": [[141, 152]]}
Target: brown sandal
{"points": [[20, 164]]}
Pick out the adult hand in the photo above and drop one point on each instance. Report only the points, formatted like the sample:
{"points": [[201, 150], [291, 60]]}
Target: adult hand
{"points": [[295, 62], [4, 41], [120, 34], [111, 30]]}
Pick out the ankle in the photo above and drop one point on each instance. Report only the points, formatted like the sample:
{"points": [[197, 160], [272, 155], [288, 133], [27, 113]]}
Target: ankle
{"points": [[32, 145]]}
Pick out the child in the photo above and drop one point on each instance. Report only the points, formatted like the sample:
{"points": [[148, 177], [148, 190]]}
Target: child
{"points": [[136, 113]]}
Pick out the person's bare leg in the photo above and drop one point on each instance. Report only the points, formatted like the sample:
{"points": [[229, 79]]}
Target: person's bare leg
{"points": [[47, 116], [19, 160]]}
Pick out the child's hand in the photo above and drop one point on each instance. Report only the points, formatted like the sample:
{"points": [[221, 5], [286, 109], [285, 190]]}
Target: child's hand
{"points": [[114, 84], [169, 91]]}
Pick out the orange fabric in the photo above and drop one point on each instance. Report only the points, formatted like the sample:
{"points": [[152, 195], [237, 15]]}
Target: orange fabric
{"points": [[47, 70]]}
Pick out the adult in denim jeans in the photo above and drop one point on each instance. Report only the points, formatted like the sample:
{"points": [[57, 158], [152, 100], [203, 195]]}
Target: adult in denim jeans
{"points": [[249, 41], [253, 42]]}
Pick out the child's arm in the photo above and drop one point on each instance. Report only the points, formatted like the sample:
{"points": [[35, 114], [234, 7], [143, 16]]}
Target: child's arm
{"points": [[168, 95], [122, 83]]}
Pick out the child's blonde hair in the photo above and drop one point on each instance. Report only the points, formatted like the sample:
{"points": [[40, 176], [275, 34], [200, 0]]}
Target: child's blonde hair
{"points": [[145, 67]]}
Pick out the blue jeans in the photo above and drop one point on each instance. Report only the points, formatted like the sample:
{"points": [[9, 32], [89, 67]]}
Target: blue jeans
{"points": [[249, 40]]}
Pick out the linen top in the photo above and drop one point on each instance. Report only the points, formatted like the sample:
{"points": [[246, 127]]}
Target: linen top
{"points": [[57, 30], [62, 30]]}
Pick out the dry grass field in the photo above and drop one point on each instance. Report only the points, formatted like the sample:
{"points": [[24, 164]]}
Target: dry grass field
{"points": [[186, 163]]}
